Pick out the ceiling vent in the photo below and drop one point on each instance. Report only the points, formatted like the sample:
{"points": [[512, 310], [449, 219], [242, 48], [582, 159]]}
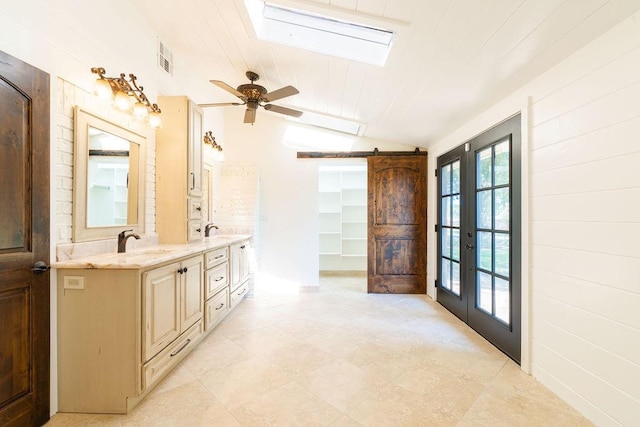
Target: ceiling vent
{"points": [[165, 57]]}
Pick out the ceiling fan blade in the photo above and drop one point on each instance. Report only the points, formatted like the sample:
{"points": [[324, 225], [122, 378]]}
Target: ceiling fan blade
{"points": [[283, 110], [228, 88], [280, 93], [250, 116], [220, 104]]}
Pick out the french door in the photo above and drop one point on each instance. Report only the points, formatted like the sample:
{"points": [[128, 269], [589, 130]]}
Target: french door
{"points": [[479, 234]]}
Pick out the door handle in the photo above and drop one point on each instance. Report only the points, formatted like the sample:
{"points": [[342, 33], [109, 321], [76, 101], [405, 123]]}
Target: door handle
{"points": [[469, 246], [40, 267]]}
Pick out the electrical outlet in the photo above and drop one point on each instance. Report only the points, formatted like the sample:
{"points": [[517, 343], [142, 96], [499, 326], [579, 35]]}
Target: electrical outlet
{"points": [[73, 282]]}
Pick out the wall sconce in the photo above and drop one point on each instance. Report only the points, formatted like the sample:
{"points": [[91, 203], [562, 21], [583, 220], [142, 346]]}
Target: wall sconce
{"points": [[209, 139], [126, 96]]}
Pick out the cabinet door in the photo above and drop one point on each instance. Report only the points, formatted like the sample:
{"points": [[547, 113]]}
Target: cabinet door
{"points": [[192, 291], [239, 263], [194, 230], [244, 261], [161, 308], [195, 151], [194, 208], [236, 254]]}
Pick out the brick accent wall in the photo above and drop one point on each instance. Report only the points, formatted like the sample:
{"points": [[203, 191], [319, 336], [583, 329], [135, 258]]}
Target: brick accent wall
{"points": [[236, 201]]}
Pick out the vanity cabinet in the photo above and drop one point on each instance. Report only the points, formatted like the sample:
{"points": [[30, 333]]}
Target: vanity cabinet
{"points": [[240, 272], [240, 263], [123, 330], [125, 320], [216, 281], [179, 171], [173, 297]]}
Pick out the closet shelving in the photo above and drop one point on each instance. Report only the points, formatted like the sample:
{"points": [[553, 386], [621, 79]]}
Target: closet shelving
{"points": [[342, 203]]}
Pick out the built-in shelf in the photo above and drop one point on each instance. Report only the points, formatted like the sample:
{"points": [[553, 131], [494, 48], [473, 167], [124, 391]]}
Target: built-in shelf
{"points": [[342, 205]]}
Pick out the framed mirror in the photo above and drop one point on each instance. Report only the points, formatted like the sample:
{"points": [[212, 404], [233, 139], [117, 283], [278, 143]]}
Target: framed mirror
{"points": [[109, 177]]}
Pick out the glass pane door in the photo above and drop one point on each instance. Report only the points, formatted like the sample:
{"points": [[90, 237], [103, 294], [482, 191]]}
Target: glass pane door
{"points": [[451, 177], [493, 258], [479, 234], [450, 230]]}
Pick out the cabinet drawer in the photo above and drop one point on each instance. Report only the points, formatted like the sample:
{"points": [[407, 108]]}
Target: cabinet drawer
{"points": [[216, 278], [215, 256], [216, 308], [154, 370], [195, 230], [194, 208], [238, 293]]}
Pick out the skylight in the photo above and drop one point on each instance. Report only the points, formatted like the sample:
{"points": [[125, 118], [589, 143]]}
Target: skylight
{"points": [[329, 122], [319, 33], [306, 139]]}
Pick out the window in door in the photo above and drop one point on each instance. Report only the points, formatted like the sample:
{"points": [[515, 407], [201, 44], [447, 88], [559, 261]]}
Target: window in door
{"points": [[479, 234]]}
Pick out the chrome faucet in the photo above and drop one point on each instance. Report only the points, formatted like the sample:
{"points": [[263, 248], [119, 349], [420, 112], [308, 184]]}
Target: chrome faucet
{"points": [[208, 228], [122, 240]]}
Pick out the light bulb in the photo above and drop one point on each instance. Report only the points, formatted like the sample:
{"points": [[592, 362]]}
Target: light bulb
{"points": [[140, 111], [122, 101], [154, 120], [102, 89]]}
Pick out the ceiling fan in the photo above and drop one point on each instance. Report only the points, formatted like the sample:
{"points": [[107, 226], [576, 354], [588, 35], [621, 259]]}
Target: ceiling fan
{"points": [[254, 96]]}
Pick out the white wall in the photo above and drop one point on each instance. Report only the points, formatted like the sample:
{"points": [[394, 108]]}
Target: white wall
{"points": [[288, 218], [584, 228]]}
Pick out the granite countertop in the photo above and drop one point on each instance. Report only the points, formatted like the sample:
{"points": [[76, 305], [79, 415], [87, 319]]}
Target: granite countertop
{"points": [[151, 255]]}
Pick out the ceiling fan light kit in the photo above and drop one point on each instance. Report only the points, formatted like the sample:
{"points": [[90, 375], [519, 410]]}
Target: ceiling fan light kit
{"points": [[254, 96]]}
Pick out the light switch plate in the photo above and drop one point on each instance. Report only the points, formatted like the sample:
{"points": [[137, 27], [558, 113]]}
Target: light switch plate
{"points": [[73, 282]]}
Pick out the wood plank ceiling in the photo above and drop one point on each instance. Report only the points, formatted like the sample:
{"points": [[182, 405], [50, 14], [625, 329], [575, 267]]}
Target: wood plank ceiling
{"points": [[450, 59]]}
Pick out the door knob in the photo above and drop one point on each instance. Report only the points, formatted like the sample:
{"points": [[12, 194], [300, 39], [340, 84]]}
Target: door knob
{"points": [[40, 267]]}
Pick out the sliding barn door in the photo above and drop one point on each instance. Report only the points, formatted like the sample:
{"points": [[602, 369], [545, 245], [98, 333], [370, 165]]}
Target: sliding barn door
{"points": [[397, 224]]}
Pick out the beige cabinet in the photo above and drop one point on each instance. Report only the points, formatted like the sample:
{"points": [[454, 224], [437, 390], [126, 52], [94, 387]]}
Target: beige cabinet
{"points": [[161, 308], [124, 330], [194, 163], [216, 286], [172, 302], [240, 263], [179, 171], [191, 292]]}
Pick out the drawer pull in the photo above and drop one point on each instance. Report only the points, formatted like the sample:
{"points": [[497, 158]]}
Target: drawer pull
{"points": [[243, 291], [219, 256], [243, 246], [181, 348], [220, 278], [220, 306]]}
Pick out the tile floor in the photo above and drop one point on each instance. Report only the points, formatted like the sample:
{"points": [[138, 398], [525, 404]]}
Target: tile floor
{"points": [[341, 357]]}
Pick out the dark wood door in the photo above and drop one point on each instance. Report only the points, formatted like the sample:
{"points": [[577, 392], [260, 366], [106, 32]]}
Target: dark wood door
{"points": [[397, 224], [24, 240]]}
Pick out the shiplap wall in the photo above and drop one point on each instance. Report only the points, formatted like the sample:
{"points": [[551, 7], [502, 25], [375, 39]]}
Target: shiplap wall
{"points": [[584, 223], [585, 229]]}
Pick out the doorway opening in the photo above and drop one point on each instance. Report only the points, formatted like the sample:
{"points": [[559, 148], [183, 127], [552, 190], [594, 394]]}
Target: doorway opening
{"points": [[342, 212]]}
